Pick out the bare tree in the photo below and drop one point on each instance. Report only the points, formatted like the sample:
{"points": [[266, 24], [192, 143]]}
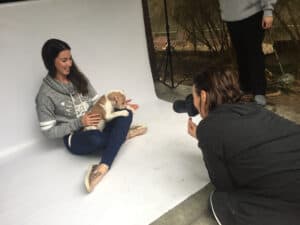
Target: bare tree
{"points": [[286, 13], [202, 22]]}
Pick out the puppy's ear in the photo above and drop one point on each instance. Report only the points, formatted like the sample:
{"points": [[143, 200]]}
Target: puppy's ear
{"points": [[117, 99], [111, 97], [114, 100]]}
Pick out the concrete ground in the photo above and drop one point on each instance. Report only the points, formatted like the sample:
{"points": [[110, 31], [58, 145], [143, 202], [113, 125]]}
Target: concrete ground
{"points": [[195, 209]]}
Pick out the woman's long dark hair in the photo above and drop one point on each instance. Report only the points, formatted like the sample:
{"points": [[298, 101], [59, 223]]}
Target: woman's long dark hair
{"points": [[221, 85], [50, 51]]}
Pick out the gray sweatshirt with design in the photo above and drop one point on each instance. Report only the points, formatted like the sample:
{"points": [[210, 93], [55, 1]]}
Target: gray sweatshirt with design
{"points": [[60, 107], [235, 10]]}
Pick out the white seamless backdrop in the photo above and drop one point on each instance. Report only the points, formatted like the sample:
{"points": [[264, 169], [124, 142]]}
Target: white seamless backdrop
{"points": [[41, 182], [105, 42]]}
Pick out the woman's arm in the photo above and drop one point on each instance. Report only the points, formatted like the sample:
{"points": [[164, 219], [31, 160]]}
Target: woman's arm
{"points": [[268, 7], [50, 125], [211, 145], [192, 128], [218, 171]]}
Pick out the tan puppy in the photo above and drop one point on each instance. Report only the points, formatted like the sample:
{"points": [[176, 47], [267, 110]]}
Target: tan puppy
{"points": [[105, 107]]}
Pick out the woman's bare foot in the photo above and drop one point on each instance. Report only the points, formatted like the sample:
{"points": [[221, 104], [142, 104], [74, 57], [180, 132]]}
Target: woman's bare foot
{"points": [[95, 174], [136, 130]]}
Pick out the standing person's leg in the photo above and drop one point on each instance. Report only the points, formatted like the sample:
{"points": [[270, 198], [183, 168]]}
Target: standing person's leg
{"points": [[236, 31], [254, 37]]}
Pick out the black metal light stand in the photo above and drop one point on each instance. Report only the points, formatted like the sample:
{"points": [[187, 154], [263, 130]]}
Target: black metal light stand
{"points": [[168, 72]]}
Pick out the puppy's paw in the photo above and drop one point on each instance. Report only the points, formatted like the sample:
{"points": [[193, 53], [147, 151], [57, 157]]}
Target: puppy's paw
{"points": [[124, 113], [90, 128]]}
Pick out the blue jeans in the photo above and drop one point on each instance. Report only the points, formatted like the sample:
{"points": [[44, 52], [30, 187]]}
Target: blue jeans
{"points": [[107, 143]]}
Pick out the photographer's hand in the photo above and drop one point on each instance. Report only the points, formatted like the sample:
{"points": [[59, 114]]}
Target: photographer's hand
{"points": [[192, 128]]}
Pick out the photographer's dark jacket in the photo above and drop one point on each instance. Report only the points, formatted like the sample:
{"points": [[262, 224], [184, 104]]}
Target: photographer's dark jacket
{"points": [[253, 158]]}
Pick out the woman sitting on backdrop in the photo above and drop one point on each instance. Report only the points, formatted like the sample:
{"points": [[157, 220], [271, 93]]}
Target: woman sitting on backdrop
{"points": [[62, 103], [252, 155]]}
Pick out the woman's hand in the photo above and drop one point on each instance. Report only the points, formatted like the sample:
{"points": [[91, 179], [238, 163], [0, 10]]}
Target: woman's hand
{"points": [[131, 106], [267, 22], [192, 127], [90, 119]]}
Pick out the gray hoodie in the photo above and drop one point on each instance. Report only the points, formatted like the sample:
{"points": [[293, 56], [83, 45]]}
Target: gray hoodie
{"points": [[235, 10], [60, 107]]}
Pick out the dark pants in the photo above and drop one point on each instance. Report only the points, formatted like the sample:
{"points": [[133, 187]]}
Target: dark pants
{"points": [[106, 143], [246, 37]]}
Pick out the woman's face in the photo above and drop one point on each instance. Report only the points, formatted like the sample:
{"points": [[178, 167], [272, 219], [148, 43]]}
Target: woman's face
{"points": [[63, 63]]}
